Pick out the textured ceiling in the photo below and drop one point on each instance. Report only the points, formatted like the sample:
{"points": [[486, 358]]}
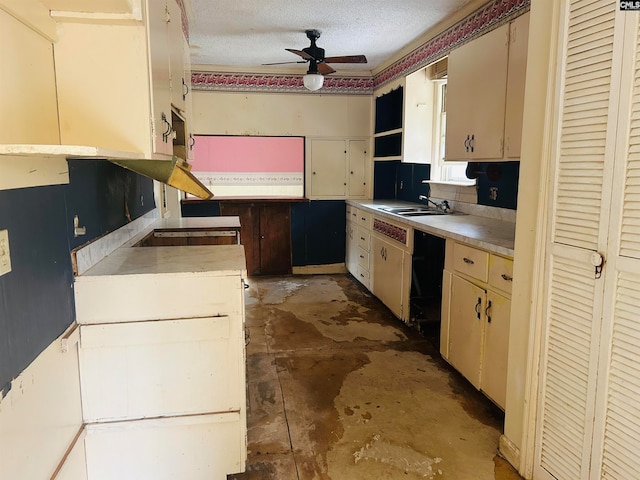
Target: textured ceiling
{"points": [[249, 33]]}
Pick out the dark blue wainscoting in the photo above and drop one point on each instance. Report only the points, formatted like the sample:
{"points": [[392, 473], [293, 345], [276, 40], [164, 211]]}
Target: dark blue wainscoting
{"points": [[36, 297], [318, 232]]}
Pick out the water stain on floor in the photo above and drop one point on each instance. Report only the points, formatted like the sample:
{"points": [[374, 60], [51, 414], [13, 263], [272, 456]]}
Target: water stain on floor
{"points": [[338, 388]]}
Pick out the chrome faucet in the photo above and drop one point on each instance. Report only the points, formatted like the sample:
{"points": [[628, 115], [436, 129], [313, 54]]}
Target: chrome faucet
{"points": [[442, 206]]}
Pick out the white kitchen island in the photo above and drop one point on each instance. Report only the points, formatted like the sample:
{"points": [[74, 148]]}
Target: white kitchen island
{"points": [[162, 364]]}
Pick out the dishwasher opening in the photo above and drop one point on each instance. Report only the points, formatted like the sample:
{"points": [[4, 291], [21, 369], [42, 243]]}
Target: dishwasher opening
{"points": [[426, 284]]}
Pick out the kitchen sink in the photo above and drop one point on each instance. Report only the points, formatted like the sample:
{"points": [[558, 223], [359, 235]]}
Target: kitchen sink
{"points": [[422, 213], [412, 211], [402, 210]]}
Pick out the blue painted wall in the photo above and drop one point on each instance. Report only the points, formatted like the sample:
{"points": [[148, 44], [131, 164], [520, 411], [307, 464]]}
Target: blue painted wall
{"points": [[497, 182], [36, 297], [395, 180], [318, 232]]}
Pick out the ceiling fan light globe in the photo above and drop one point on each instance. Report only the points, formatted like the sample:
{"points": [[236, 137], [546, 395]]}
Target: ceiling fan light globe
{"points": [[313, 81]]}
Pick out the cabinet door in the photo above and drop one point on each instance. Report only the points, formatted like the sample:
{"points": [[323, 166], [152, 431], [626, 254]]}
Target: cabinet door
{"points": [[188, 105], [176, 56], [467, 304], [518, 42], [328, 168], [495, 354], [157, 24], [357, 171], [275, 239], [476, 86], [27, 85], [388, 264]]}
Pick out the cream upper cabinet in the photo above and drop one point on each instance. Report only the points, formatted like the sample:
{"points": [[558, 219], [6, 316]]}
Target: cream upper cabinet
{"points": [[159, 51], [27, 85], [339, 168], [485, 95], [476, 86], [115, 81], [356, 168], [517, 72]]}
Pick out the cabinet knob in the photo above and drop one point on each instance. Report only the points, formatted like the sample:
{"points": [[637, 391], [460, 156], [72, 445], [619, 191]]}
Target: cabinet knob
{"points": [[468, 261], [506, 277], [486, 311], [314, 173], [477, 307]]}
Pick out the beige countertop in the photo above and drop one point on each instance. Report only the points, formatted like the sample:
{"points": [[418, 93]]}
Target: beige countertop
{"points": [[110, 255], [494, 235], [198, 259]]}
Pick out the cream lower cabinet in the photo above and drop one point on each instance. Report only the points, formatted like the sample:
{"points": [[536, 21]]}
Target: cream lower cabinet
{"points": [[162, 363], [475, 317], [358, 248], [391, 265]]}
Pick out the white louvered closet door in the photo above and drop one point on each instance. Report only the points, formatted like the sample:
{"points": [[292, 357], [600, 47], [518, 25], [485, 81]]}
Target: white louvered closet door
{"points": [[587, 418]]}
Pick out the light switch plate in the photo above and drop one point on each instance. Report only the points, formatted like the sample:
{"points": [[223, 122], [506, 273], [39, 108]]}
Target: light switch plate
{"points": [[5, 257]]}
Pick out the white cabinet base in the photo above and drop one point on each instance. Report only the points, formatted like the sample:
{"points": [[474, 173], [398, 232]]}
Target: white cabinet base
{"points": [[196, 447]]}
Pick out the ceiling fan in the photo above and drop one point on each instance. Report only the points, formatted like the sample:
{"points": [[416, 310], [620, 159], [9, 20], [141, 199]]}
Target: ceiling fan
{"points": [[318, 63]]}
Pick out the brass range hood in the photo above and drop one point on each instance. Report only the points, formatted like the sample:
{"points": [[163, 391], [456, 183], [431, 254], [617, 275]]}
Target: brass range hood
{"points": [[175, 173]]}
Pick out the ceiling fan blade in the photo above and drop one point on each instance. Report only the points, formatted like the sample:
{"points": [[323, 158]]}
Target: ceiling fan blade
{"points": [[325, 69], [284, 63], [304, 55], [347, 59]]}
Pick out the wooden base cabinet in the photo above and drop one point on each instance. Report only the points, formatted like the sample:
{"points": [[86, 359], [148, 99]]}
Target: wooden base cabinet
{"points": [[475, 317]]}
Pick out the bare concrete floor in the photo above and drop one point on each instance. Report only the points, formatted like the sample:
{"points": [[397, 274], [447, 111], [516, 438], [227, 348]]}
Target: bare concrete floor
{"points": [[338, 388]]}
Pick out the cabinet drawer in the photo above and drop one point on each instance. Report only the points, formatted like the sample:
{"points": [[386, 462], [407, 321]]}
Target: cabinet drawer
{"points": [[349, 211], [352, 214], [363, 258], [160, 368], [364, 219], [471, 261], [363, 276], [364, 239], [501, 273]]}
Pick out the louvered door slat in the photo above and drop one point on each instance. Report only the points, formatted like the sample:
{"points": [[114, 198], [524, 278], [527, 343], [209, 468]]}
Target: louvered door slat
{"points": [[590, 382], [630, 229], [567, 370], [585, 111], [622, 429]]}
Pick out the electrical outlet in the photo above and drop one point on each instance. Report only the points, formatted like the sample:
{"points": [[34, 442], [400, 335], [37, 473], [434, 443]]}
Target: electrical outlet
{"points": [[5, 257]]}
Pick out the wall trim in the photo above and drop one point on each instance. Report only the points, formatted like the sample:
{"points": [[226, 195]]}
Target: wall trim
{"points": [[486, 18], [277, 83]]}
